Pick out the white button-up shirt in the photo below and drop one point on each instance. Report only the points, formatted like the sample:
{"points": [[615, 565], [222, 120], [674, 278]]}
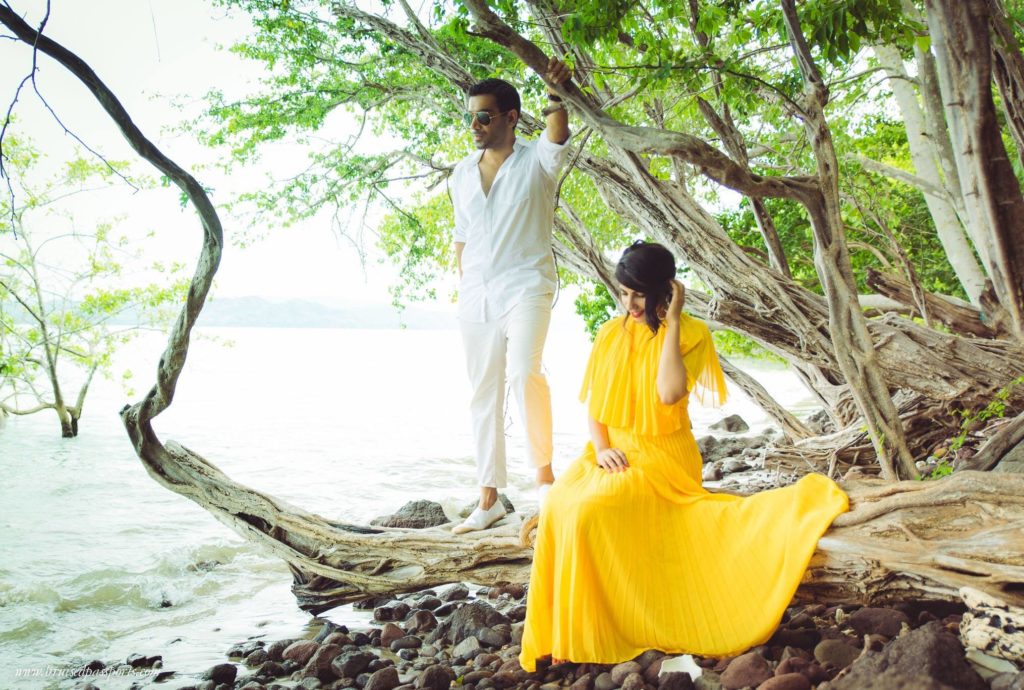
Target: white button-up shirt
{"points": [[507, 232]]}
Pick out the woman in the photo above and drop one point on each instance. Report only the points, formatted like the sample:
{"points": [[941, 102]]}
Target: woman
{"points": [[632, 553]]}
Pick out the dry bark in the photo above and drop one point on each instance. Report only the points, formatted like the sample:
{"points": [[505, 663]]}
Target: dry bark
{"points": [[992, 194], [956, 315]]}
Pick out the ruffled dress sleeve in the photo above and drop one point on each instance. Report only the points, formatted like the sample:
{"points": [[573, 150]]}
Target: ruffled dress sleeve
{"points": [[620, 381], [704, 377]]}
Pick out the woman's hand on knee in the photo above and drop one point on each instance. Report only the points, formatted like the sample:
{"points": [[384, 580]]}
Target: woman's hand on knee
{"points": [[612, 460]]}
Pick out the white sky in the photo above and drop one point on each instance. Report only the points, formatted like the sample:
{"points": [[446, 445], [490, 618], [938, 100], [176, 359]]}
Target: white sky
{"points": [[148, 51]]}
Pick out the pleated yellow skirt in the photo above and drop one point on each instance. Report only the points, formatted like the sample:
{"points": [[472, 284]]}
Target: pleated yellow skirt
{"points": [[648, 559]]}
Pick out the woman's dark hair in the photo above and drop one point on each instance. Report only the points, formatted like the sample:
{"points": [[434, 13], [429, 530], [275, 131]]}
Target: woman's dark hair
{"points": [[649, 268]]}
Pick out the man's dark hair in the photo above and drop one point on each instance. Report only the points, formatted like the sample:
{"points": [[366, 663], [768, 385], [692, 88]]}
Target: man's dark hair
{"points": [[504, 94]]}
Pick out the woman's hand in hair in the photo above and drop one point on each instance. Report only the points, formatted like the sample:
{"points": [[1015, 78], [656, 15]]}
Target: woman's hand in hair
{"points": [[675, 305]]}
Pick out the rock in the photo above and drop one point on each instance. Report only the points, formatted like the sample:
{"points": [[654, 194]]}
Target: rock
{"points": [[351, 664], [406, 642], [384, 679], [275, 650], [244, 649], [652, 671], [427, 602], [300, 652], [584, 682], [319, 665], [476, 676], [490, 637], [471, 618], [604, 682], [733, 465], [675, 681], [802, 638], [311, 683], [1007, 681], [711, 472], [748, 669], [256, 658], [389, 633], [708, 681], [787, 681], [733, 424], [512, 590], [634, 681], [835, 653], [436, 677], [377, 664], [877, 621], [516, 614], [272, 669], [142, 661], [620, 671], [454, 593], [820, 423], [467, 649], [931, 656], [221, 673], [814, 673], [414, 515], [339, 638], [392, 611], [328, 629], [447, 609], [517, 632]]}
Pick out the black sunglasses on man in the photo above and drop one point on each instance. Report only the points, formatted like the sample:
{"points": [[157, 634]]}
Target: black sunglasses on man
{"points": [[483, 117]]}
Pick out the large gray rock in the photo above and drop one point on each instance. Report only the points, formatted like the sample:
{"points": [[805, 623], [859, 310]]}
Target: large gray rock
{"points": [[471, 618], [733, 424], [414, 515], [929, 658], [384, 679]]}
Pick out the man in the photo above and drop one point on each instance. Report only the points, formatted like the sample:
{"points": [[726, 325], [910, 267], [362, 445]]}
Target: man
{"points": [[504, 198]]}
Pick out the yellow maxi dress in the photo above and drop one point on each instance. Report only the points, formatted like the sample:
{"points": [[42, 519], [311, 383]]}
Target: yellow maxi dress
{"points": [[647, 558]]}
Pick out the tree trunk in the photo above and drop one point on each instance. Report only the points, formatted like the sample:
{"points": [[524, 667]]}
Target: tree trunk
{"points": [[924, 156], [851, 339], [955, 314], [994, 203], [1008, 66]]}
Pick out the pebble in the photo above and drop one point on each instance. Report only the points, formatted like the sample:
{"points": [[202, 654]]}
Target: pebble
{"points": [[746, 670], [835, 653]]}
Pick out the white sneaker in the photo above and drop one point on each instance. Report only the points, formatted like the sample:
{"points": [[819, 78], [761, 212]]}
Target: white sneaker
{"points": [[542, 495], [481, 519]]}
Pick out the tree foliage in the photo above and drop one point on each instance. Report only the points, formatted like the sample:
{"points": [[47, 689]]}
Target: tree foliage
{"points": [[69, 297], [760, 140]]}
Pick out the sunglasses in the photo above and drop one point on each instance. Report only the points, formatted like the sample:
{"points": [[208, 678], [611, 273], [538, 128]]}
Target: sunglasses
{"points": [[483, 117]]}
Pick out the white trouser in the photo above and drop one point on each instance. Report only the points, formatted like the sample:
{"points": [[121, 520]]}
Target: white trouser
{"points": [[514, 342]]}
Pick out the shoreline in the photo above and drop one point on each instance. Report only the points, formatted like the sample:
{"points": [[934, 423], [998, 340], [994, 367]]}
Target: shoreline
{"points": [[451, 637]]}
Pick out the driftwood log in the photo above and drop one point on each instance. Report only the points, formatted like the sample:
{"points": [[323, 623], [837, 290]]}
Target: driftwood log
{"points": [[902, 541]]}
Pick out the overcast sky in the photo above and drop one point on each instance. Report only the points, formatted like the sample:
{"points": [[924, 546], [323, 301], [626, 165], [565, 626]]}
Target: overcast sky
{"points": [[150, 52]]}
